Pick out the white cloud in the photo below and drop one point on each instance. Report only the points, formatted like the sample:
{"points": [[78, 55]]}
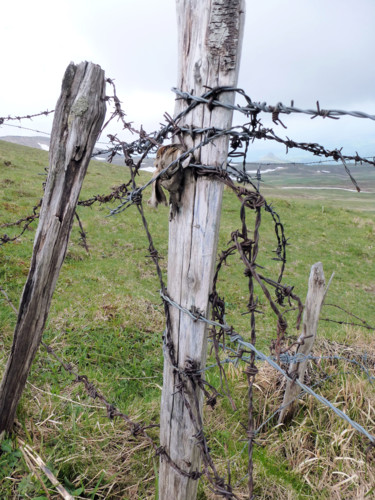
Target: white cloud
{"points": [[301, 50]]}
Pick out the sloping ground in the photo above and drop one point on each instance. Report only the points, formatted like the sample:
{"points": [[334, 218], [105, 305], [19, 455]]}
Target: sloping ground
{"points": [[273, 173], [107, 322], [37, 142]]}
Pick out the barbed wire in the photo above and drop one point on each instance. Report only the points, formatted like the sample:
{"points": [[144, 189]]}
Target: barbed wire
{"points": [[320, 162], [361, 361], [235, 337], [251, 108], [29, 129], [4, 119], [26, 220], [285, 359], [240, 138]]}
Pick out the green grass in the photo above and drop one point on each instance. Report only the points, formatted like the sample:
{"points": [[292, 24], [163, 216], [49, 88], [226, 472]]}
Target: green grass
{"points": [[106, 319]]}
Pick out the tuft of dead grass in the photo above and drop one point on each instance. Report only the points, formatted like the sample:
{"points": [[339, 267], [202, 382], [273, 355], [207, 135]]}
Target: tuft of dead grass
{"points": [[99, 453], [318, 449]]}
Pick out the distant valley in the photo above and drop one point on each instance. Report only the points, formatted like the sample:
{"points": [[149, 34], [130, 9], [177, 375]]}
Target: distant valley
{"points": [[271, 171]]}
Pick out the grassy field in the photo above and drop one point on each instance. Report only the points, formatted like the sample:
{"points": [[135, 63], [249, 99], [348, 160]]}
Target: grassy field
{"points": [[106, 320]]}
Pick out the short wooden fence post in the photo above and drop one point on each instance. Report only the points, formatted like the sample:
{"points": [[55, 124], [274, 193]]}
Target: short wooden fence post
{"points": [[314, 301]]}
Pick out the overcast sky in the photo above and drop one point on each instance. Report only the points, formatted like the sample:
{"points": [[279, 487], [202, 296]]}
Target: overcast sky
{"points": [[305, 50]]}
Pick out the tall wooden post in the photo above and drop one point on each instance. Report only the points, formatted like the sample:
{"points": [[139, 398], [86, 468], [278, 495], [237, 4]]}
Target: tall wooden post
{"points": [[78, 118], [210, 39]]}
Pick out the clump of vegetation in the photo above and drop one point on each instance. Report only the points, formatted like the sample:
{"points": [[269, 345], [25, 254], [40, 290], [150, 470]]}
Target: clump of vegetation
{"points": [[107, 321]]}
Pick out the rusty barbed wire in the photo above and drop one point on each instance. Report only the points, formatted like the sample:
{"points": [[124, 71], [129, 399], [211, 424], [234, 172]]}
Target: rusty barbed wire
{"points": [[238, 135], [362, 324], [247, 247], [245, 346], [26, 220], [137, 428], [190, 373], [252, 107]]}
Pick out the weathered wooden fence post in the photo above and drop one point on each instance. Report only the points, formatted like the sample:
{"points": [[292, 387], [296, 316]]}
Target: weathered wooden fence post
{"points": [[79, 115], [314, 300], [210, 39]]}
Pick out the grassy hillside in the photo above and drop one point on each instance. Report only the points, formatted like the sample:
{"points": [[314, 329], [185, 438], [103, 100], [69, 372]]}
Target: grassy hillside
{"points": [[106, 320]]}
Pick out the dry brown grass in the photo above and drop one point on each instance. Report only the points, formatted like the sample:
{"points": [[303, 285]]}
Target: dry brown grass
{"points": [[124, 461], [320, 449]]}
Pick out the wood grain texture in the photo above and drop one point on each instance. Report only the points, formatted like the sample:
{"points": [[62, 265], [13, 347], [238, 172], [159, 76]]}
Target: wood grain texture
{"points": [[78, 118], [210, 37], [314, 300]]}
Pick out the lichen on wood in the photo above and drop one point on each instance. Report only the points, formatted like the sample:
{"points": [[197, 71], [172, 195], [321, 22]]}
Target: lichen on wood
{"points": [[223, 32]]}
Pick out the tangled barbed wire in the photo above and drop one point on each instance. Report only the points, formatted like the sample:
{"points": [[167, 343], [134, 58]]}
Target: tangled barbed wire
{"points": [[240, 138], [244, 241]]}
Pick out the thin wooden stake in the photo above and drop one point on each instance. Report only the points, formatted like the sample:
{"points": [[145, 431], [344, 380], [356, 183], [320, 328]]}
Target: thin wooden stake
{"points": [[314, 300]]}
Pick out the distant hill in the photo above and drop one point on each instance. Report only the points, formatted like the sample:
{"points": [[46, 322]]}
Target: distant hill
{"points": [[42, 142], [37, 142], [271, 158], [273, 171]]}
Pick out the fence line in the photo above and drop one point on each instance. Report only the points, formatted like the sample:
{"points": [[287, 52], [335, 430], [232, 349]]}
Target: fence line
{"points": [[4, 119], [139, 429], [128, 194], [235, 337]]}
